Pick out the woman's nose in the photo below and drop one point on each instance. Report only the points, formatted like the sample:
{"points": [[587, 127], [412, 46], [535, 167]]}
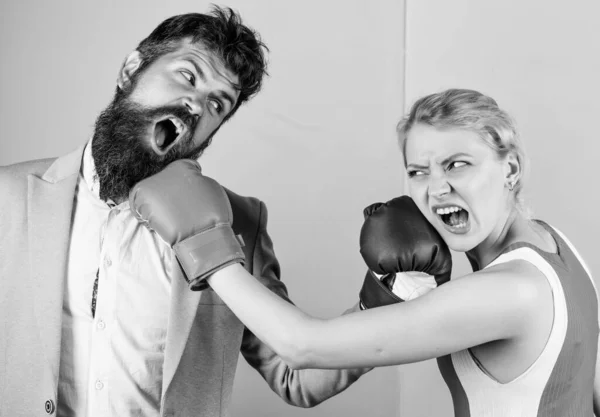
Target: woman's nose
{"points": [[438, 185]]}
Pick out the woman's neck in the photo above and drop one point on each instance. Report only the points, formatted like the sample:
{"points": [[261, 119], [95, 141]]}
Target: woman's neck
{"points": [[515, 228]]}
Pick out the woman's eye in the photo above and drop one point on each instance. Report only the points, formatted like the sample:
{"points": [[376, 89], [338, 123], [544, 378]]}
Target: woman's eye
{"points": [[414, 173], [189, 76], [456, 164]]}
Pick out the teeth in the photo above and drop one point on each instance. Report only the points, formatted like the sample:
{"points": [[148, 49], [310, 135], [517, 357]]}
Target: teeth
{"points": [[447, 210], [461, 224], [178, 127]]}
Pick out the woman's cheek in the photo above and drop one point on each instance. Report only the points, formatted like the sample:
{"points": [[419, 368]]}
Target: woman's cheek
{"points": [[417, 193]]}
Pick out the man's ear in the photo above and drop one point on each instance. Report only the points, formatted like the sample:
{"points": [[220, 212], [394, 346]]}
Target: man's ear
{"points": [[129, 67]]}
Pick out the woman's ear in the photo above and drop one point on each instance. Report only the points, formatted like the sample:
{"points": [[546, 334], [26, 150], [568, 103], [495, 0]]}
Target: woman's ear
{"points": [[513, 170], [129, 67]]}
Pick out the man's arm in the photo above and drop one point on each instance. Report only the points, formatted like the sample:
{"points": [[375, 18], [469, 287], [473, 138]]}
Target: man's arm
{"points": [[302, 388]]}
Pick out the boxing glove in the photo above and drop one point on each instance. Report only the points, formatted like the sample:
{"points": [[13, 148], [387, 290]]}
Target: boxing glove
{"points": [[192, 214], [396, 238]]}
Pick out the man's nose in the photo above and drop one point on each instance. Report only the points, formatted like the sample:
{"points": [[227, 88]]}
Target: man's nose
{"points": [[194, 104], [438, 185]]}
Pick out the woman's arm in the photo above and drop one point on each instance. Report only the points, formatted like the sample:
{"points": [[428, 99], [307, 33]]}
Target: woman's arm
{"points": [[489, 305]]}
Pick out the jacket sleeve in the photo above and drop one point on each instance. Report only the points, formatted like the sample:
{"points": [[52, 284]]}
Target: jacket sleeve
{"points": [[302, 388]]}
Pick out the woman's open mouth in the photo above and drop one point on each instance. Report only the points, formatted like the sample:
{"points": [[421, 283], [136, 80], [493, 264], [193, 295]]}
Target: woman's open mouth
{"points": [[167, 133], [454, 218]]}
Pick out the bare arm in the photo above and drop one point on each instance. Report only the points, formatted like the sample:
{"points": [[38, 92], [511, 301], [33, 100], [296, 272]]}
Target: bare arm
{"points": [[486, 306], [299, 387]]}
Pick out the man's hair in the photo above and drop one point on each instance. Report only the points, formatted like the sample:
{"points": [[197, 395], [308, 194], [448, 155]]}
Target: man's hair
{"points": [[222, 32]]}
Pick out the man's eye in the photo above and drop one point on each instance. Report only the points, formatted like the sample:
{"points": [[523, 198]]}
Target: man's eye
{"points": [[217, 106], [189, 76]]}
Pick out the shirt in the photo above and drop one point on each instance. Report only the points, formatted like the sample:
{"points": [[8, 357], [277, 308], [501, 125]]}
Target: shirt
{"points": [[111, 364]]}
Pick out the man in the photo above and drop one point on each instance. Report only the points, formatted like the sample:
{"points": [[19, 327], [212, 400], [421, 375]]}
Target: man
{"points": [[98, 318]]}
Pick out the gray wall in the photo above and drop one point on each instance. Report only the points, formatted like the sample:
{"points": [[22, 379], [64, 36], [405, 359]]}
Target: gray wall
{"points": [[317, 145]]}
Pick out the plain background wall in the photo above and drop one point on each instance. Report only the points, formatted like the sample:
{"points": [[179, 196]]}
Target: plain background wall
{"points": [[540, 60], [317, 144]]}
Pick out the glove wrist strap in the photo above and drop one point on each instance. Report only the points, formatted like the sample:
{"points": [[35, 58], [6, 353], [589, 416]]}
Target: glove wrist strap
{"points": [[206, 252], [375, 293]]}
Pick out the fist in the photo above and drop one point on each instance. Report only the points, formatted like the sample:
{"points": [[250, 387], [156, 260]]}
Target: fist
{"points": [[395, 239], [191, 213]]}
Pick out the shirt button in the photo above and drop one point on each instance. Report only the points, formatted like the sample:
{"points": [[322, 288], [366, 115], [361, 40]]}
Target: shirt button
{"points": [[49, 406], [107, 262], [101, 325], [99, 385]]}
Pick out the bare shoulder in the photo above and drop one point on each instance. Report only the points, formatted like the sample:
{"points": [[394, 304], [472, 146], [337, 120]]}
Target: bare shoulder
{"points": [[515, 289], [518, 273], [517, 281]]}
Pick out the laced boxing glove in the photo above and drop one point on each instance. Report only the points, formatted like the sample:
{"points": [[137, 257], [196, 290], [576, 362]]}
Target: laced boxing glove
{"points": [[396, 239], [192, 214]]}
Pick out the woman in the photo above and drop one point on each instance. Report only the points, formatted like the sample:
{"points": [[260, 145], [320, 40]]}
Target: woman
{"points": [[518, 336]]}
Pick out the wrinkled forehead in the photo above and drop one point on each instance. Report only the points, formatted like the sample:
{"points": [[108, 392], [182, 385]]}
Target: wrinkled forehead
{"points": [[209, 59], [424, 143]]}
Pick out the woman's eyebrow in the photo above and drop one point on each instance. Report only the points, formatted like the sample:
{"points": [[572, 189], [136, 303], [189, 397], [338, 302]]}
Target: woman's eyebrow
{"points": [[454, 156], [413, 165]]}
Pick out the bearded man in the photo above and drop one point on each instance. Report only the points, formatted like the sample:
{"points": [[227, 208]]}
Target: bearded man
{"points": [[97, 317]]}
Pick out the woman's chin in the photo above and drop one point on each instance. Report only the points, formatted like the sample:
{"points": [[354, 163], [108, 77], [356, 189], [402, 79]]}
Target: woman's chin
{"points": [[463, 242]]}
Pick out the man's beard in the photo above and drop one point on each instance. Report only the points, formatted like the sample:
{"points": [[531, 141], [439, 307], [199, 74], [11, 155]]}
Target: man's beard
{"points": [[121, 147]]}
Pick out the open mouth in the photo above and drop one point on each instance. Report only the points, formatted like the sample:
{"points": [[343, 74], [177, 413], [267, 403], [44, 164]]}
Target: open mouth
{"points": [[454, 217], [167, 133]]}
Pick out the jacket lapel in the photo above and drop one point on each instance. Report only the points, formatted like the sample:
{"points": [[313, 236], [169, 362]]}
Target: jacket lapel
{"points": [[50, 203], [184, 304]]}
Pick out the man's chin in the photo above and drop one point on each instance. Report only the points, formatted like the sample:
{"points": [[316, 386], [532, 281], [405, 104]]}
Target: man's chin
{"points": [[116, 187], [123, 157], [118, 175]]}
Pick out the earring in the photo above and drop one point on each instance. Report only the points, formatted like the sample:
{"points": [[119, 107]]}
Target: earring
{"points": [[511, 185]]}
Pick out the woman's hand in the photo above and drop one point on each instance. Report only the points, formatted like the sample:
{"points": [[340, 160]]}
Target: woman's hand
{"points": [[395, 240]]}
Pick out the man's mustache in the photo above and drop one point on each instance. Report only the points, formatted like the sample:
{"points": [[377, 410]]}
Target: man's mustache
{"points": [[180, 111]]}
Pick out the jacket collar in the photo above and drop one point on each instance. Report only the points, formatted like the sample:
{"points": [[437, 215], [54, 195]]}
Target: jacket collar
{"points": [[64, 166]]}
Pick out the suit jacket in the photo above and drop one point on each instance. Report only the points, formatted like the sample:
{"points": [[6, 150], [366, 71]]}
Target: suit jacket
{"points": [[204, 337]]}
